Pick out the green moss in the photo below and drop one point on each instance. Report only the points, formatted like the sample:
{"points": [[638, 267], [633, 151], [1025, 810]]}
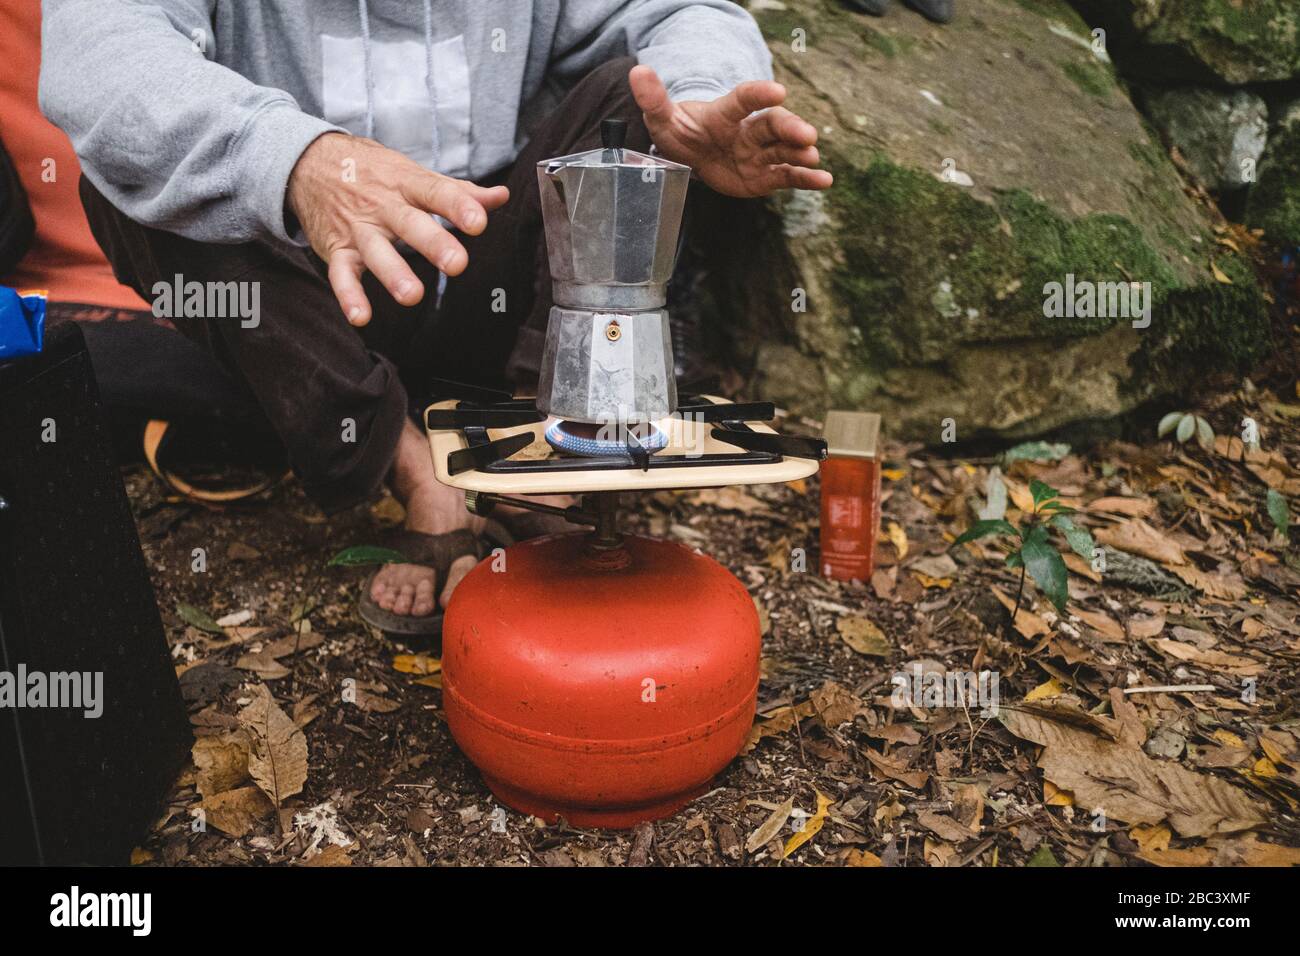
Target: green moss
{"points": [[881, 42], [1090, 77], [1241, 41], [1274, 201], [1207, 328], [927, 268]]}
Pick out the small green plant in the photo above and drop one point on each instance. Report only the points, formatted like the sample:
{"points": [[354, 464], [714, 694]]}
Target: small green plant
{"points": [[1280, 513], [1034, 552], [1185, 425]]}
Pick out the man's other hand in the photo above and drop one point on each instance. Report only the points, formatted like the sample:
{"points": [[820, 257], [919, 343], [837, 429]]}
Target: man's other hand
{"points": [[354, 197], [742, 144]]}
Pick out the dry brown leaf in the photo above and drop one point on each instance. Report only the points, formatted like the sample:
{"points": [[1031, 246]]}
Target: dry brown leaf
{"points": [[1029, 624], [861, 858], [277, 758], [1135, 536], [968, 808], [1103, 624], [222, 762], [944, 826], [1127, 785], [1215, 660], [863, 636], [330, 855], [770, 827], [263, 665], [835, 704], [1131, 507], [235, 811], [778, 721], [1143, 626], [1217, 584], [1081, 567], [891, 768]]}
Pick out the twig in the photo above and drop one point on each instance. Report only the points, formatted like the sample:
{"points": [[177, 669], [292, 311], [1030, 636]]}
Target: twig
{"points": [[1170, 689]]}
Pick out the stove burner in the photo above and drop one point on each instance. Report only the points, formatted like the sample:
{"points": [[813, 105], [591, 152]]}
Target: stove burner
{"points": [[602, 441]]}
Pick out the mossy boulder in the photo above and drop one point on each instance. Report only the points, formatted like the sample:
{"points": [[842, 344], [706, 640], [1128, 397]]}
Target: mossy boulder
{"points": [[1274, 201], [903, 291], [1229, 41]]}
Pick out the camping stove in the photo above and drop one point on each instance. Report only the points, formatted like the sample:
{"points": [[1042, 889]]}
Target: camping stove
{"points": [[603, 677], [597, 675]]}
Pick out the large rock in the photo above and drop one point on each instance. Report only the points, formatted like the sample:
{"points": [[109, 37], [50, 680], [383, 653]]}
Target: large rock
{"points": [[1221, 132], [1232, 41], [902, 291], [1274, 201]]}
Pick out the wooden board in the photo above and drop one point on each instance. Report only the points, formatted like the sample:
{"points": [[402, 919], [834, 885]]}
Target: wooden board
{"points": [[684, 435]]}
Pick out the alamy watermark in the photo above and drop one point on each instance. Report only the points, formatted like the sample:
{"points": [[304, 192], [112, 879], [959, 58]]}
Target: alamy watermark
{"points": [[1085, 299], [934, 689], [73, 690], [208, 300]]}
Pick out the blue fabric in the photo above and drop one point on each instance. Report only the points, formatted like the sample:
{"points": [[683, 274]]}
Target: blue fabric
{"points": [[22, 323]]}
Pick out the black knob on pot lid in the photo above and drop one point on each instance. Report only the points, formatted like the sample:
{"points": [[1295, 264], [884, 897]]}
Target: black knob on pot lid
{"points": [[613, 133]]}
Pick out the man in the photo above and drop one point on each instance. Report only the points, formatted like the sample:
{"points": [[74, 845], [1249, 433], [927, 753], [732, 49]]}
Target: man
{"points": [[303, 146]]}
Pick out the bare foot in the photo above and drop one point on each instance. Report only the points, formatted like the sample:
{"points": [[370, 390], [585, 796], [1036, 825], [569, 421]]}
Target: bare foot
{"points": [[433, 508]]}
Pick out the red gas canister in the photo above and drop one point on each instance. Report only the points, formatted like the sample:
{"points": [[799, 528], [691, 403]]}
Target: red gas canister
{"points": [[607, 686]]}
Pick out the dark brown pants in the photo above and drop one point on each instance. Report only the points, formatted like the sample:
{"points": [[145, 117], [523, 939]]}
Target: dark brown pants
{"points": [[338, 396]]}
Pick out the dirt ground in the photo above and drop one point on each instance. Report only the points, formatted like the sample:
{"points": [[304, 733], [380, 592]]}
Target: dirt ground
{"points": [[1083, 764]]}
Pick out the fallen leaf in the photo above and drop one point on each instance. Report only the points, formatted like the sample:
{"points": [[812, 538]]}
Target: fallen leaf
{"points": [[898, 538], [1050, 688], [417, 664], [1125, 783], [770, 827], [277, 758], [857, 857], [1217, 584], [330, 856], [943, 826], [891, 768], [234, 812], [811, 827], [1135, 536], [863, 636], [1212, 659], [222, 762], [1132, 507], [1029, 624]]}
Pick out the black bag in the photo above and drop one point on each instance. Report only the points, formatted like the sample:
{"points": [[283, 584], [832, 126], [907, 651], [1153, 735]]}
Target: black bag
{"points": [[16, 224], [75, 598]]}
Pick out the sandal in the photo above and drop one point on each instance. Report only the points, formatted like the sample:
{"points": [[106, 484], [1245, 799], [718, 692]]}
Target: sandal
{"points": [[437, 551]]}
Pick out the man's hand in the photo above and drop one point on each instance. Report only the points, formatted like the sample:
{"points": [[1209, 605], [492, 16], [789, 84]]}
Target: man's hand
{"points": [[354, 197], [732, 146]]}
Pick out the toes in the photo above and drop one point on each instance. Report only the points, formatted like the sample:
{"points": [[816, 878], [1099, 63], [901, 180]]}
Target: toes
{"points": [[423, 603], [459, 568], [405, 598]]}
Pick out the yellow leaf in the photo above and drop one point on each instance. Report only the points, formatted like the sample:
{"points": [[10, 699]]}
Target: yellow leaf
{"points": [[1050, 688], [898, 538], [1151, 838], [433, 680], [863, 636], [1219, 274], [799, 486], [417, 664], [929, 582], [140, 855], [892, 474], [811, 828], [862, 858], [1053, 797], [1265, 768], [1228, 738]]}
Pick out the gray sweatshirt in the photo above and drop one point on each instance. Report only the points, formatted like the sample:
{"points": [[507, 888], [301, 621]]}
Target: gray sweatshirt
{"points": [[189, 115]]}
